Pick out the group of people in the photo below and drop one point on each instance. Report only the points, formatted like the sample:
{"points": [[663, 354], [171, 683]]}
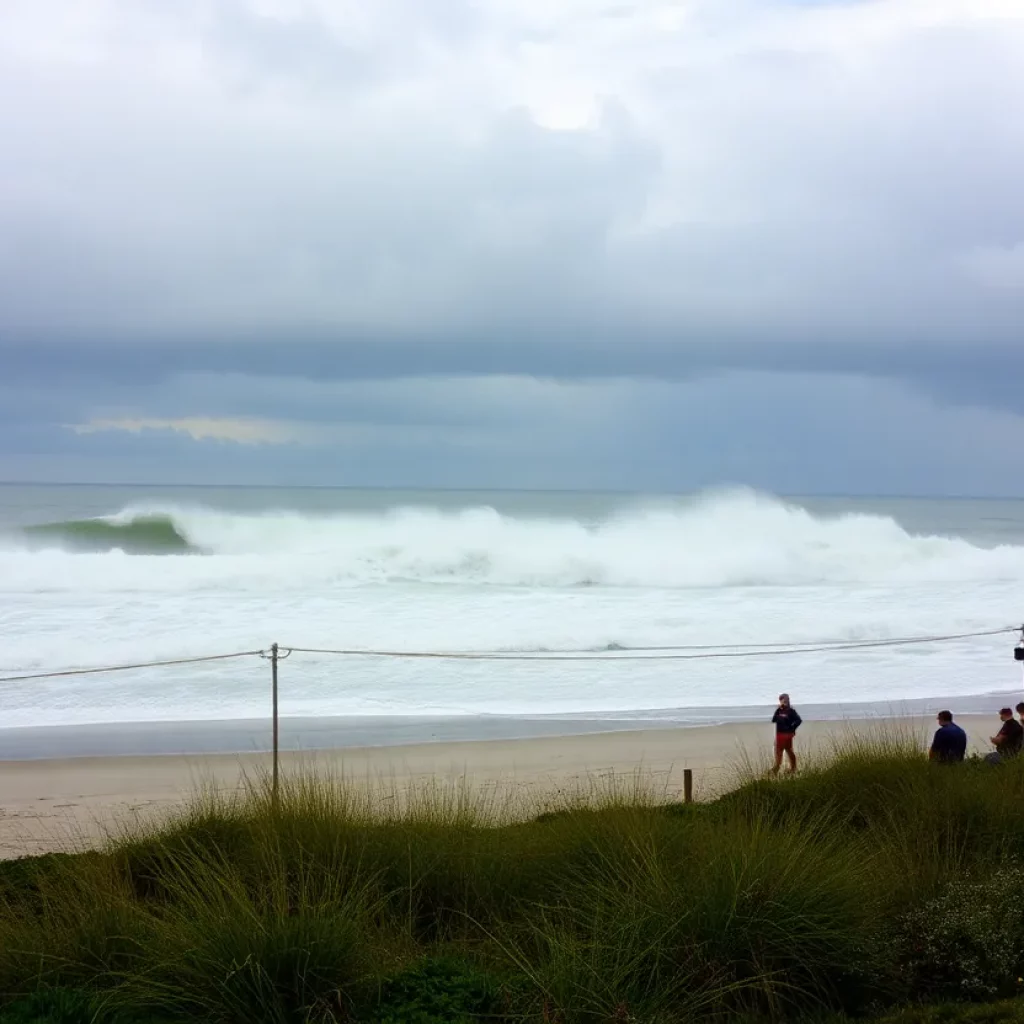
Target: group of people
{"points": [[949, 744]]}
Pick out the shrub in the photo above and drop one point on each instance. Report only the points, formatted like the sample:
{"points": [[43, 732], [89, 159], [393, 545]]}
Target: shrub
{"points": [[967, 942], [438, 991]]}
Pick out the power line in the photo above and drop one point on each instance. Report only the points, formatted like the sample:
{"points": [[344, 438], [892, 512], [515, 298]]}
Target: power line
{"points": [[634, 653], [682, 652], [837, 643], [126, 668]]}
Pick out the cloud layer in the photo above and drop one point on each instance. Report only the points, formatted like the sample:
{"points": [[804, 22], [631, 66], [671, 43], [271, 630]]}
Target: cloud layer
{"points": [[602, 210]]}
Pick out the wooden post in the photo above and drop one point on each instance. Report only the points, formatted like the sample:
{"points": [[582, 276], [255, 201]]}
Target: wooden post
{"points": [[688, 785], [273, 678]]}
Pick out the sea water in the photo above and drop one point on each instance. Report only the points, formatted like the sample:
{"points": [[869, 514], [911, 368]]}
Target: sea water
{"points": [[104, 576]]}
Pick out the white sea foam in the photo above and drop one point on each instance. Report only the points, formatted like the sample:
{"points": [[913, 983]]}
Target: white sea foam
{"points": [[735, 539], [724, 568]]}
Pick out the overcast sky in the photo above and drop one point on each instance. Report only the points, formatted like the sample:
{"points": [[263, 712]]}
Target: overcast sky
{"points": [[521, 243]]}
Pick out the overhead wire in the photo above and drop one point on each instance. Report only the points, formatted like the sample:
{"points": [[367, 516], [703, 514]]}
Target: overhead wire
{"points": [[838, 642], [696, 652], [102, 670], [678, 652]]}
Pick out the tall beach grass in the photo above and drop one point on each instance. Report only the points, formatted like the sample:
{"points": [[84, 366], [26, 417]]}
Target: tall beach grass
{"points": [[871, 880]]}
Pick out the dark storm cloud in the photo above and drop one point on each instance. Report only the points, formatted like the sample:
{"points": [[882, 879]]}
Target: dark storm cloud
{"points": [[70, 378], [793, 433]]}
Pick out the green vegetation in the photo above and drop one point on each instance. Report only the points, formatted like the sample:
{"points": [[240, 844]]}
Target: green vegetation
{"points": [[873, 886]]}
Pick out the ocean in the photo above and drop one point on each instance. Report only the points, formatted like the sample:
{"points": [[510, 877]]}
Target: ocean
{"points": [[103, 576]]}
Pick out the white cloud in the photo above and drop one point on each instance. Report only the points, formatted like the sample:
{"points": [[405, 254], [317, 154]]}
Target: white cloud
{"points": [[210, 428]]}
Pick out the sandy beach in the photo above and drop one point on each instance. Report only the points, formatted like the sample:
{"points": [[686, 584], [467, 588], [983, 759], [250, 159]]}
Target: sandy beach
{"points": [[60, 804]]}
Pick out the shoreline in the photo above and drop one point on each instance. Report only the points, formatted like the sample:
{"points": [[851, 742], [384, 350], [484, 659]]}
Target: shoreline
{"points": [[247, 736], [71, 803]]}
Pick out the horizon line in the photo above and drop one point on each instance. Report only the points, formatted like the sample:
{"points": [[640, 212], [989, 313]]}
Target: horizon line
{"points": [[509, 490]]}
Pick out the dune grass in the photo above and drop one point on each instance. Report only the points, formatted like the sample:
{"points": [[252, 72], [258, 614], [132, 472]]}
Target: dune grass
{"points": [[871, 881]]}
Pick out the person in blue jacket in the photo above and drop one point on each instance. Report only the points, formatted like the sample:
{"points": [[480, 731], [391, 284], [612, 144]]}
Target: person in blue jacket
{"points": [[950, 741], [787, 721]]}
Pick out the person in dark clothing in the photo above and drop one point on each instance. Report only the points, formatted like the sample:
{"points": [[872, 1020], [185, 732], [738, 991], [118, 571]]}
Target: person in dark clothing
{"points": [[1020, 712], [950, 741], [787, 721], [1008, 740]]}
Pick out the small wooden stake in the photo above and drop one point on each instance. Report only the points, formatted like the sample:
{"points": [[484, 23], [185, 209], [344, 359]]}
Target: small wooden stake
{"points": [[688, 785]]}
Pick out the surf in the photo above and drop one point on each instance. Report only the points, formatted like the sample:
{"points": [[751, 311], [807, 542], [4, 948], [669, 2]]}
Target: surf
{"points": [[732, 539]]}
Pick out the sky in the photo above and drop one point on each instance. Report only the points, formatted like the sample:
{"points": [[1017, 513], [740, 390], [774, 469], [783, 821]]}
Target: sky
{"points": [[587, 244]]}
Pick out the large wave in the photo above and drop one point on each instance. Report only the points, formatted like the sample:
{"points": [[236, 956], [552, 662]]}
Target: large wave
{"points": [[730, 539]]}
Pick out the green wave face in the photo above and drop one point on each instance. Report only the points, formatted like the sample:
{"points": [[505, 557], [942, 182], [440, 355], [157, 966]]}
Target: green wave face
{"points": [[141, 535]]}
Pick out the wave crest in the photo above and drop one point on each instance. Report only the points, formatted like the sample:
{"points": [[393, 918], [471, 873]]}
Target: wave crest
{"points": [[156, 534], [733, 539]]}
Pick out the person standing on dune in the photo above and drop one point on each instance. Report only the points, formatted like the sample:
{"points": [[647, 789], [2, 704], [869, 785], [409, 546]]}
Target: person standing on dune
{"points": [[786, 720]]}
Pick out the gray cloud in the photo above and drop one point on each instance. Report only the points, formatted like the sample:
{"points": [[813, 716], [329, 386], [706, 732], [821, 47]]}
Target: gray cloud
{"points": [[207, 206], [801, 177]]}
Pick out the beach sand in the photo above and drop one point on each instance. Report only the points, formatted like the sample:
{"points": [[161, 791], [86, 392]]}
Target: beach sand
{"points": [[66, 804]]}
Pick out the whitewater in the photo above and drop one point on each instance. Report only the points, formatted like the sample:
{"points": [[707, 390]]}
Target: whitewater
{"points": [[155, 575]]}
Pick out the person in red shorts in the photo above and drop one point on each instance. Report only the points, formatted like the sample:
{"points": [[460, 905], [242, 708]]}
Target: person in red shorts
{"points": [[787, 721]]}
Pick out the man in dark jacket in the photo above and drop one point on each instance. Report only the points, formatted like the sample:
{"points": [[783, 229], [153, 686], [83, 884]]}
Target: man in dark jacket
{"points": [[950, 741], [786, 721]]}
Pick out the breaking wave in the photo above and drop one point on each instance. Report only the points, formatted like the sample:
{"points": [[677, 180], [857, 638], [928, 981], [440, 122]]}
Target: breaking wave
{"points": [[731, 539], [138, 535]]}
